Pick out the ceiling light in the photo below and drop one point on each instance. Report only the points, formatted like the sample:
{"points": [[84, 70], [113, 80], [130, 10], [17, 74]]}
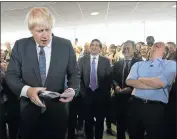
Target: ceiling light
{"points": [[174, 6], [94, 13]]}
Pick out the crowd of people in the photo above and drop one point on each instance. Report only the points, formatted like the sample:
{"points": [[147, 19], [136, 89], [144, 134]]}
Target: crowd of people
{"points": [[132, 85]]}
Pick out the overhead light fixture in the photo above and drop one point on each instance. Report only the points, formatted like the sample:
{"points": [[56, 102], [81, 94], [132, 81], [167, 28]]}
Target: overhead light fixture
{"points": [[94, 13], [174, 6]]}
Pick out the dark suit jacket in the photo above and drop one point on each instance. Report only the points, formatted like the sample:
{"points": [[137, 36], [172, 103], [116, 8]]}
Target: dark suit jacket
{"points": [[117, 72], [23, 68], [103, 74], [121, 98], [1, 87]]}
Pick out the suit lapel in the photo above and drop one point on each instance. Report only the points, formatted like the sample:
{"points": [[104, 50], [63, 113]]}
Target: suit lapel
{"points": [[99, 67], [56, 51], [132, 62], [87, 69], [34, 60]]}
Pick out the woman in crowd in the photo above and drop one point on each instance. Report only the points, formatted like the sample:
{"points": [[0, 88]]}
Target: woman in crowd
{"points": [[144, 52], [138, 48], [104, 50], [112, 54]]}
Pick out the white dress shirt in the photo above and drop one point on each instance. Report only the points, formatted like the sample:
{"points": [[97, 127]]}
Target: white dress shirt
{"points": [[96, 66], [144, 59], [47, 50]]}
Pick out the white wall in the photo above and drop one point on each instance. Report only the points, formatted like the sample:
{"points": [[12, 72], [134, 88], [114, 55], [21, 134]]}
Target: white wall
{"points": [[112, 33]]}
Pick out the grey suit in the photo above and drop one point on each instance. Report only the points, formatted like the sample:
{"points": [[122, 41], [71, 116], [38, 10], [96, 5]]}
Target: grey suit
{"points": [[23, 70]]}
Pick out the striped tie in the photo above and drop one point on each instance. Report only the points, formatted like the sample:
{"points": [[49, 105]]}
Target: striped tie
{"points": [[42, 64]]}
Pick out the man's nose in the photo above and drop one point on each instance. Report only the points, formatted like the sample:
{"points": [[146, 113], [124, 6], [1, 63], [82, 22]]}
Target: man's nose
{"points": [[44, 34]]}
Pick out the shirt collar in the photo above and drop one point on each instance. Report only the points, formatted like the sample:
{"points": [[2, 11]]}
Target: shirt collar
{"points": [[97, 56], [48, 46], [144, 59], [156, 60]]}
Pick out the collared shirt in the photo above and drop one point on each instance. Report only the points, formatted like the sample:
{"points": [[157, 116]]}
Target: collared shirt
{"points": [[143, 58], [165, 70], [47, 50], [96, 65]]}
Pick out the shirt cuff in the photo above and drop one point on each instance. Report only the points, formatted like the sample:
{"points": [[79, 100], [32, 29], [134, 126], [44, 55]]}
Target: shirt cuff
{"points": [[24, 91], [72, 90]]}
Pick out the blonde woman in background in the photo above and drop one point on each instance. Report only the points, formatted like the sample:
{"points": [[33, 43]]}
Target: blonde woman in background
{"points": [[138, 48], [86, 50], [77, 51], [104, 50], [119, 54], [7, 52], [111, 54]]}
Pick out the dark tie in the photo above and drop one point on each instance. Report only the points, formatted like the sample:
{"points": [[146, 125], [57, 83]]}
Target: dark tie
{"points": [[42, 64], [93, 75], [125, 72]]}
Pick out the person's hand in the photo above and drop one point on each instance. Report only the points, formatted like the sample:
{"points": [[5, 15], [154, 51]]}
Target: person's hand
{"points": [[67, 95], [117, 89], [3, 66], [126, 90], [32, 94]]}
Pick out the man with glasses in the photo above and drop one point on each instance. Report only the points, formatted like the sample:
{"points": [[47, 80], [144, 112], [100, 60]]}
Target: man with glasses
{"points": [[120, 72]]}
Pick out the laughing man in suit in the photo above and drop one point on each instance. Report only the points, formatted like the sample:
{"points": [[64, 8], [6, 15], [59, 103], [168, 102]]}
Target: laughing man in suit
{"points": [[95, 89]]}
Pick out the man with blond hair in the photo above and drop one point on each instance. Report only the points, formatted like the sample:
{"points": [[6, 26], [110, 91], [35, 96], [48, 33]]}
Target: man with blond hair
{"points": [[40, 63]]}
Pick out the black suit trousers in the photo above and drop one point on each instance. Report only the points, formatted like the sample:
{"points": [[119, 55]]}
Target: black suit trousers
{"points": [[52, 124], [147, 117], [75, 109], [12, 117], [94, 107], [2, 129], [121, 113]]}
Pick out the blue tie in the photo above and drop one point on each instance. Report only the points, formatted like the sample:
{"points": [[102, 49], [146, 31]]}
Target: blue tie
{"points": [[42, 64], [93, 75]]}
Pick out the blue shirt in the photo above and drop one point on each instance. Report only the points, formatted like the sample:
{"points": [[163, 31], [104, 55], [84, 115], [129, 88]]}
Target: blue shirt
{"points": [[161, 68]]}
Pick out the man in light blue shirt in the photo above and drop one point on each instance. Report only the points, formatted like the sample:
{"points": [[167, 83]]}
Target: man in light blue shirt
{"points": [[152, 82]]}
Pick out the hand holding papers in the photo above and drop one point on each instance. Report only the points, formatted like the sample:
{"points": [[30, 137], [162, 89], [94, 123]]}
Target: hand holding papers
{"points": [[67, 95]]}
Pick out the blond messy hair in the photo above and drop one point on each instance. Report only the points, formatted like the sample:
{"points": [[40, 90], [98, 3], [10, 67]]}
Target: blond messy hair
{"points": [[39, 16]]}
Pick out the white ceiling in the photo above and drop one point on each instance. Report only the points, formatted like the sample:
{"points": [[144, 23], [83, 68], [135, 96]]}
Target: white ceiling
{"points": [[71, 14]]}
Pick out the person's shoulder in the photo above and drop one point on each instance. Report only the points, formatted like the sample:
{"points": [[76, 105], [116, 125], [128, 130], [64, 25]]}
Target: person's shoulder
{"points": [[103, 58], [61, 40], [138, 63], [24, 40], [137, 59], [84, 57], [170, 62], [117, 63]]}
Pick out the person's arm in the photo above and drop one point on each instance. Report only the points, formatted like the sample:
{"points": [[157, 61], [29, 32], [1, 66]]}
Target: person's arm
{"points": [[137, 84], [13, 74], [116, 85], [82, 86], [108, 79], [132, 79], [166, 78], [73, 73]]}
